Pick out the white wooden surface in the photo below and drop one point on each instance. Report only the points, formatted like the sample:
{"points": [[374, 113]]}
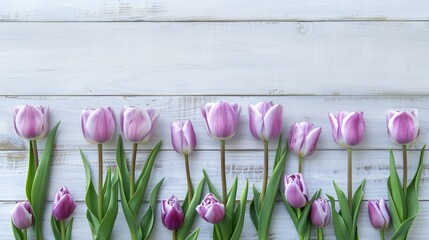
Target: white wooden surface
{"points": [[313, 57]]}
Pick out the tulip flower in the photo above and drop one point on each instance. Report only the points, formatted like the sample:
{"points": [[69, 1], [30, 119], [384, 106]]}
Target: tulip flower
{"points": [[183, 137], [320, 213], [64, 204], [172, 215], [348, 128], [221, 119], [22, 215], [137, 124], [31, 122], [379, 214], [265, 120], [402, 126], [296, 192], [211, 209], [303, 138], [98, 125]]}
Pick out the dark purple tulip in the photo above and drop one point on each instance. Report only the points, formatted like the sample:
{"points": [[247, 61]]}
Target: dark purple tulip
{"points": [[172, 215], [64, 204]]}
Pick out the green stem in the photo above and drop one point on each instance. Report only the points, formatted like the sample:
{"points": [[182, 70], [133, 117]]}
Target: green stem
{"points": [[100, 181], [300, 164], [174, 235], [222, 169], [35, 153], [63, 230], [188, 179], [24, 231], [133, 168], [298, 212], [381, 234], [405, 169], [264, 183], [349, 177], [320, 234]]}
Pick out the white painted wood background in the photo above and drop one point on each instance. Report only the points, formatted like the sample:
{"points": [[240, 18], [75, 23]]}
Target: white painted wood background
{"points": [[313, 57]]}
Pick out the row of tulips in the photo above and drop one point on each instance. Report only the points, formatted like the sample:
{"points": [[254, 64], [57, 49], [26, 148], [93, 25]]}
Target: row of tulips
{"points": [[221, 120]]}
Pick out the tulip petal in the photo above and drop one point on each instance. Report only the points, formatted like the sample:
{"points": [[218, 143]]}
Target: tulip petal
{"points": [[84, 119], [295, 196], [375, 215], [256, 121], [136, 124], [215, 213], [273, 122], [190, 140], [353, 128], [64, 208], [317, 215], [335, 127], [296, 138], [309, 145], [202, 211]]}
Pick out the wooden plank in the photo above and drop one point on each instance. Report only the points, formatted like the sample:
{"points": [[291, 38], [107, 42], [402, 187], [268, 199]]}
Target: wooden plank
{"points": [[218, 58], [296, 108], [320, 170], [211, 10], [281, 225]]}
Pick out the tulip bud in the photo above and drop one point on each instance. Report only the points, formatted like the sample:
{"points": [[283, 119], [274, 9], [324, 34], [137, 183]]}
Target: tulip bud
{"points": [[183, 137], [303, 138], [22, 215], [379, 215], [320, 213], [348, 128], [296, 192], [265, 120], [221, 119], [402, 126], [31, 122], [98, 125], [138, 124], [211, 209], [172, 215], [64, 204]]}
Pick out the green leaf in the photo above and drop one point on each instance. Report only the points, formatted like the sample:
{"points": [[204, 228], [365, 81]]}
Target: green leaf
{"points": [[339, 225], [357, 201], [413, 189], [137, 198], [304, 226], [254, 208], [148, 220], [17, 233], [106, 225], [135, 230], [122, 169], [191, 212], [292, 212], [69, 230], [402, 232], [398, 198], [226, 225], [278, 151], [212, 188], [41, 182], [107, 186], [241, 210], [344, 206], [91, 196], [30, 174], [56, 229], [194, 235], [270, 197], [396, 222]]}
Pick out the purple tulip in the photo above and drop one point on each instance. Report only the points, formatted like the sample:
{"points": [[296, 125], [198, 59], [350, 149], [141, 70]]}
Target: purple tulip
{"points": [[320, 213], [98, 125], [296, 192], [64, 204], [183, 137], [402, 126], [211, 209], [221, 119], [379, 215], [31, 122], [138, 124], [22, 215], [348, 128], [172, 215], [265, 120], [303, 138]]}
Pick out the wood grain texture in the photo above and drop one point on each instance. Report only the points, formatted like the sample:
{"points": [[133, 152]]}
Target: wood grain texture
{"points": [[240, 58], [211, 10]]}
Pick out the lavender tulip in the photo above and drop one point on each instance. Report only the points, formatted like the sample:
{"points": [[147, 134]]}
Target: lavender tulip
{"points": [[265, 120], [221, 119], [320, 213], [379, 215], [402, 126], [348, 128], [22, 215], [183, 137], [64, 204], [296, 192], [98, 125], [211, 209], [137, 124], [172, 215], [303, 138], [31, 122]]}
